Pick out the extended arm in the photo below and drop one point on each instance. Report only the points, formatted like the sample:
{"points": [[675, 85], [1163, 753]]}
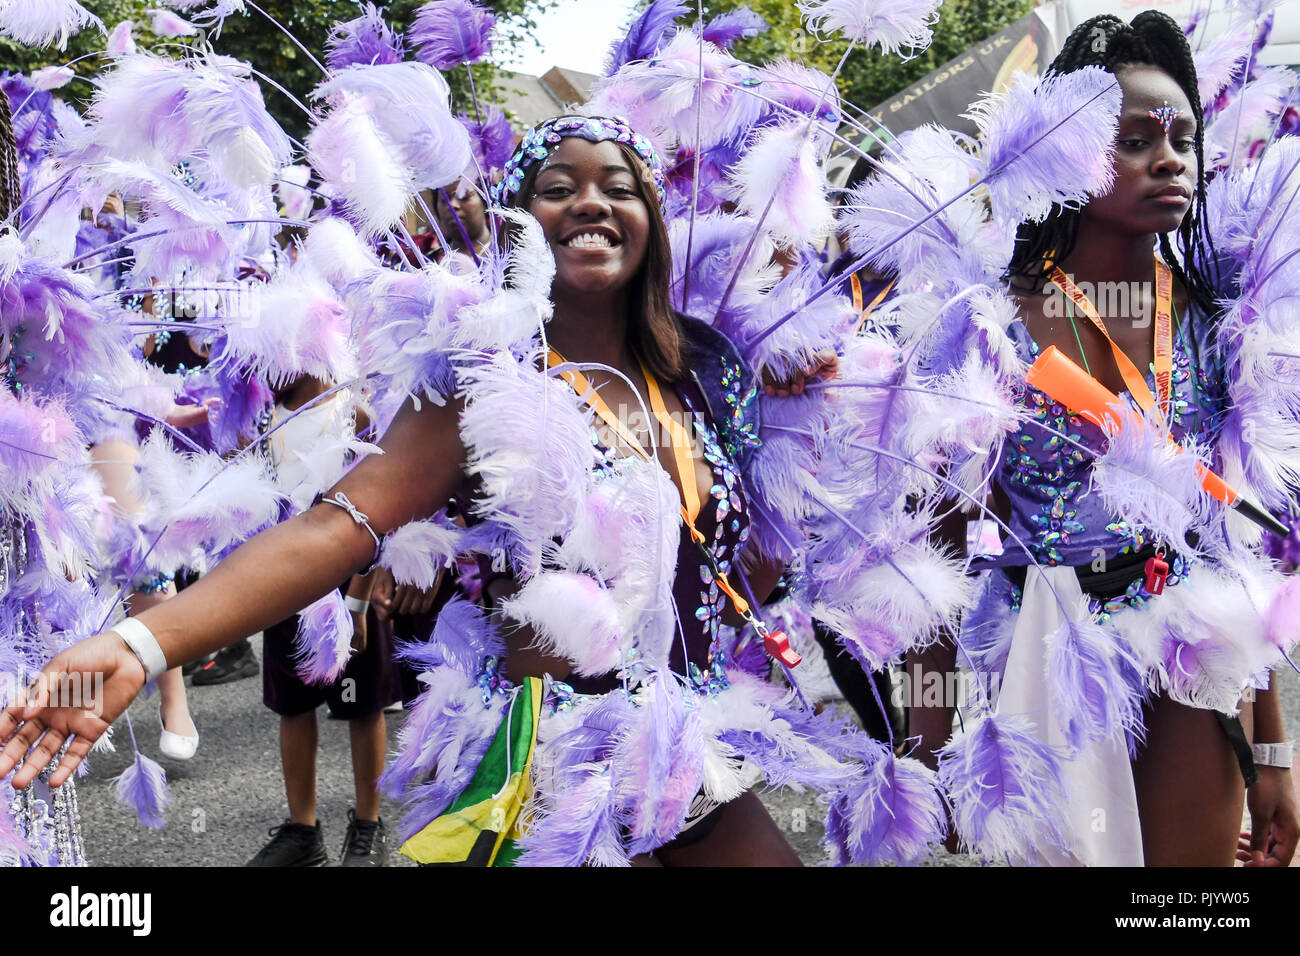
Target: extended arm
{"points": [[267, 579]]}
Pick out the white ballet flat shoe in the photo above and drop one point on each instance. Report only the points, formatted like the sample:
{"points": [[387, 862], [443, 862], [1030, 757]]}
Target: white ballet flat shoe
{"points": [[176, 746]]}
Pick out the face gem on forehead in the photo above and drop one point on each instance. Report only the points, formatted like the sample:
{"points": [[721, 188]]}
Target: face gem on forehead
{"points": [[1165, 116]]}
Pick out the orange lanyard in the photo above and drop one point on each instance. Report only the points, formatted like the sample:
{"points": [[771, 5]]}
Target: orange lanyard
{"points": [[864, 313], [681, 445], [1164, 349]]}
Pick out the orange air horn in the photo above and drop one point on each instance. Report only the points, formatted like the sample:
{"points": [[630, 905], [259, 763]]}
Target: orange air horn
{"points": [[1060, 379]]}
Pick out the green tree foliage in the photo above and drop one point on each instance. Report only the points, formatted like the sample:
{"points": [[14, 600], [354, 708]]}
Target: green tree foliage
{"points": [[253, 38], [868, 76]]}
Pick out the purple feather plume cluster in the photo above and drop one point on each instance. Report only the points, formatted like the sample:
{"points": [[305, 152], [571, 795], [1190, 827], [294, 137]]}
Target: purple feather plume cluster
{"points": [[1005, 788], [645, 34], [491, 140], [657, 765], [34, 438], [143, 787], [1097, 685], [891, 813], [449, 33], [462, 637], [727, 29], [1048, 141], [323, 643], [441, 742], [366, 40]]}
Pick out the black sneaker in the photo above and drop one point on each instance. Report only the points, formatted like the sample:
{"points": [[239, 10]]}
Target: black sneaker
{"points": [[366, 843], [190, 667], [293, 844], [230, 664]]}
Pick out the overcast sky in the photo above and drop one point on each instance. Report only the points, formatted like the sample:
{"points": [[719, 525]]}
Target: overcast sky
{"points": [[576, 35]]}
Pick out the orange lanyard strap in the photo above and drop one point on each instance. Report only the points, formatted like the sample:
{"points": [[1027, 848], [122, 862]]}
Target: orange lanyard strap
{"points": [[865, 312], [681, 445], [1164, 349]]}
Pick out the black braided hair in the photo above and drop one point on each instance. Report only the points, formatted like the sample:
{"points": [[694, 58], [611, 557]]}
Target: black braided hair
{"points": [[11, 192], [1154, 39]]}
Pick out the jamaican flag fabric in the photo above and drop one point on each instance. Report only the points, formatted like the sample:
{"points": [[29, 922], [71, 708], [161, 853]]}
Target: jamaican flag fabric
{"points": [[482, 824]]}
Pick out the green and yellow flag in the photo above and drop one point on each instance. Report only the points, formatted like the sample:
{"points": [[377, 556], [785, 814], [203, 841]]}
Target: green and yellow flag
{"points": [[482, 824]]}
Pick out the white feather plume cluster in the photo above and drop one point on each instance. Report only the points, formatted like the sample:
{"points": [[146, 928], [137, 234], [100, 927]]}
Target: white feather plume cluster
{"points": [[626, 535], [1249, 116], [918, 216], [388, 134], [44, 22], [684, 96], [1155, 484], [417, 551], [199, 504], [291, 326], [529, 445], [894, 27], [573, 617], [883, 589], [1204, 639], [780, 181], [515, 305]]}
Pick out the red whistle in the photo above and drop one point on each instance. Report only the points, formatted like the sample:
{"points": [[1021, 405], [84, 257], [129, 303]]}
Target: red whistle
{"points": [[778, 645], [1157, 569]]}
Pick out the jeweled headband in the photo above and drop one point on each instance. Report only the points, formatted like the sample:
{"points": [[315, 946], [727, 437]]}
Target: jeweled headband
{"points": [[541, 139]]}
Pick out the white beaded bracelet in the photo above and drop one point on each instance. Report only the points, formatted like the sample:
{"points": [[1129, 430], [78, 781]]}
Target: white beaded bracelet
{"points": [[355, 604], [144, 646], [1278, 754]]}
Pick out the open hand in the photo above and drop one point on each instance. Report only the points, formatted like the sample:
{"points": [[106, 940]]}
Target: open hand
{"points": [[391, 598], [77, 696], [1274, 829], [188, 416], [826, 366]]}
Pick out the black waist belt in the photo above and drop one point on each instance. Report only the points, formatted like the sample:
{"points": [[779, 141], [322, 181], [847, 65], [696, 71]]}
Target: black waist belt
{"points": [[1120, 572]]}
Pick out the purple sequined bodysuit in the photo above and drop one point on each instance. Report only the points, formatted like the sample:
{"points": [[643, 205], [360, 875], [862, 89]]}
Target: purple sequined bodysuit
{"points": [[1047, 476]]}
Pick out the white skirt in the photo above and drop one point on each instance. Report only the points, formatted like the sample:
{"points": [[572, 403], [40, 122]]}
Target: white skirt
{"points": [[1102, 824]]}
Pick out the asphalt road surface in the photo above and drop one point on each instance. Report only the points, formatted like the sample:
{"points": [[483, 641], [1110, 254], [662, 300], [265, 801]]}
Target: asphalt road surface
{"points": [[226, 798]]}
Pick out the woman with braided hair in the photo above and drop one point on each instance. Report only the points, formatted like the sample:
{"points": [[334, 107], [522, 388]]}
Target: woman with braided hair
{"points": [[1179, 802]]}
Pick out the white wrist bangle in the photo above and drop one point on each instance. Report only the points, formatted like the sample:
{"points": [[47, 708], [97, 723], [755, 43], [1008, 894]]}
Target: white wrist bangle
{"points": [[144, 646], [356, 605], [1274, 755]]}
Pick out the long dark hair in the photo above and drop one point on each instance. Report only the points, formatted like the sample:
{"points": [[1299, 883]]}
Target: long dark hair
{"points": [[1152, 39], [656, 332]]}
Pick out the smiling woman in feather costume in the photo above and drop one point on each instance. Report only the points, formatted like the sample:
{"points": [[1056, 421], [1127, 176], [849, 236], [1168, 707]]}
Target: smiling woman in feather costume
{"points": [[641, 713]]}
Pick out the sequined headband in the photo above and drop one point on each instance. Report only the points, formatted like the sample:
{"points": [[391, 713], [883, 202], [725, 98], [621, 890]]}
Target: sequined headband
{"points": [[541, 139]]}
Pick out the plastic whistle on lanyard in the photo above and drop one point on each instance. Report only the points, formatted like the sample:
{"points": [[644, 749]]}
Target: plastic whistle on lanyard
{"points": [[1060, 379], [1157, 572], [775, 643]]}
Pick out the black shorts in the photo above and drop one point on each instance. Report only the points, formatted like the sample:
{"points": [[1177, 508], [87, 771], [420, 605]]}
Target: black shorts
{"points": [[367, 685]]}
